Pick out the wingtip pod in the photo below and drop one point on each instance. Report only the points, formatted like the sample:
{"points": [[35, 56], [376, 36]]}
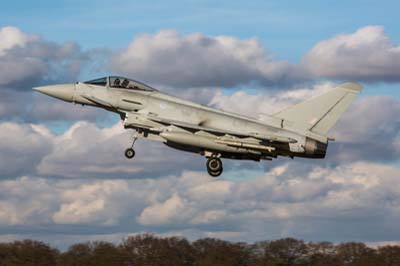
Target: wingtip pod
{"points": [[354, 86]]}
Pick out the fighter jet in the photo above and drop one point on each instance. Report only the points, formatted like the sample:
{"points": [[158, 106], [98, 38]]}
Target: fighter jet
{"points": [[297, 131]]}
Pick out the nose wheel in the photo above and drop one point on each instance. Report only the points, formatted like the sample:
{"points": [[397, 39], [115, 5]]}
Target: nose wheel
{"points": [[130, 152], [214, 166]]}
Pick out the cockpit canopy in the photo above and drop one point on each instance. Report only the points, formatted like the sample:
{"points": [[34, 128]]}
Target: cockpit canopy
{"points": [[121, 83]]}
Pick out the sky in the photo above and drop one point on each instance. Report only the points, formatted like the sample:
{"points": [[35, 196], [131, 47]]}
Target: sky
{"points": [[63, 176]]}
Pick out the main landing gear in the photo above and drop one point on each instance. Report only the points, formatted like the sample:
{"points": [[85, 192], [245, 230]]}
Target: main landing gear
{"points": [[214, 166], [130, 152]]}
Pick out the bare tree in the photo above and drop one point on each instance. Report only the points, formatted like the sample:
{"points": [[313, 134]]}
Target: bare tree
{"points": [[27, 253], [149, 250]]}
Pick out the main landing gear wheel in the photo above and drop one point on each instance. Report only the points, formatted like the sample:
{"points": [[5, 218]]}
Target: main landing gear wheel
{"points": [[129, 153], [214, 166]]}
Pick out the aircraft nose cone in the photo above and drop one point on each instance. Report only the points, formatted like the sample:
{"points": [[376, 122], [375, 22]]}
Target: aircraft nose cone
{"points": [[63, 92]]}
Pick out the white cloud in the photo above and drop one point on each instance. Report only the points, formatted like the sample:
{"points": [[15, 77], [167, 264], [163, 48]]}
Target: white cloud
{"points": [[367, 54], [163, 213], [11, 37], [92, 203], [210, 190], [27, 201], [370, 130], [261, 103], [87, 150], [22, 146], [196, 60], [26, 59], [275, 204], [209, 217]]}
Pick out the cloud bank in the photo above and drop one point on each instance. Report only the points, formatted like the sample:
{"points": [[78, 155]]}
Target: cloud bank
{"points": [[276, 204], [365, 55], [169, 58]]}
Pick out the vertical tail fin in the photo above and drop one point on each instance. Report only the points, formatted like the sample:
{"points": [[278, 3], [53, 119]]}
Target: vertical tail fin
{"points": [[321, 113]]}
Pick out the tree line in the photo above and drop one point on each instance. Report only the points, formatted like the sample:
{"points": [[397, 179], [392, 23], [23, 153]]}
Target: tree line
{"points": [[150, 250]]}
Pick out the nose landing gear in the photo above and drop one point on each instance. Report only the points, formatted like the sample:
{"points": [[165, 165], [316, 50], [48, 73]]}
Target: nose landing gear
{"points": [[130, 152], [214, 166]]}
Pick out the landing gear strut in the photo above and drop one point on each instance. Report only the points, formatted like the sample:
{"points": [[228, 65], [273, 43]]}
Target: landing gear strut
{"points": [[214, 166], [130, 152]]}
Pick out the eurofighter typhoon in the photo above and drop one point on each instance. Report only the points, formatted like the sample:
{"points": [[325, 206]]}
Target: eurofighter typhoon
{"points": [[298, 131]]}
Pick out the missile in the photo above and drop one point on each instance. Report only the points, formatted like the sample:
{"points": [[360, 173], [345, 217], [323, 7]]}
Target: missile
{"points": [[198, 141], [245, 145], [215, 144]]}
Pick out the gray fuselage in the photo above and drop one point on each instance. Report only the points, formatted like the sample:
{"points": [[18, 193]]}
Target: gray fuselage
{"points": [[156, 104]]}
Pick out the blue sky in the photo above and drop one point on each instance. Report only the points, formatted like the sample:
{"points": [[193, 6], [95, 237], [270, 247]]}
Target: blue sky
{"points": [[75, 185], [287, 28]]}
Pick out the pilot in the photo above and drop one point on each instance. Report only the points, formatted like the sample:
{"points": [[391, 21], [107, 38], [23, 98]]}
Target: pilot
{"points": [[116, 82], [124, 83]]}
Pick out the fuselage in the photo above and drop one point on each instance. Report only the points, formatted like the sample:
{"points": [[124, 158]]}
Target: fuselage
{"points": [[300, 130], [147, 102]]}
